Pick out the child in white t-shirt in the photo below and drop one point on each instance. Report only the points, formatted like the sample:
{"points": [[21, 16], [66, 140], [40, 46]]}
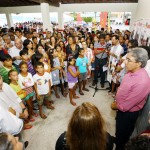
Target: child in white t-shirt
{"points": [[26, 83], [42, 85]]}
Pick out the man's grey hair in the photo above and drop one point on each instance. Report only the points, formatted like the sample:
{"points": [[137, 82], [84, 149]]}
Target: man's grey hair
{"points": [[140, 55]]}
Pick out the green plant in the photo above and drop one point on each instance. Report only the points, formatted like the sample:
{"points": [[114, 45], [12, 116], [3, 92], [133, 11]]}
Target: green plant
{"points": [[87, 19]]}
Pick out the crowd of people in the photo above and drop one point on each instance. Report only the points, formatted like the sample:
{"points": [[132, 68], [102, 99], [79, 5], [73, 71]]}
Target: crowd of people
{"points": [[34, 65]]}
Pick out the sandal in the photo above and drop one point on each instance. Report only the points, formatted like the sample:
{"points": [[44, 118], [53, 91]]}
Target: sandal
{"points": [[73, 103], [75, 97], [32, 120], [50, 107], [27, 126], [65, 94], [81, 93], [51, 101], [110, 94], [85, 89], [57, 96], [35, 115], [43, 116]]}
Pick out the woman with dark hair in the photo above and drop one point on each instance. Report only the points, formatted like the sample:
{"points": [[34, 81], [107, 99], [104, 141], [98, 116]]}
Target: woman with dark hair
{"points": [[85, 131], [72, 49], [59, 37], [62, 45], [42, 42], [9, 142], [126, 37], [28, 46], [40, 49], [53, 42], [88, 41]]}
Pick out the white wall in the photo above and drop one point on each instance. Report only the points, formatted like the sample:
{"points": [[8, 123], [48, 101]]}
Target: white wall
{"points": [[93, 7], [143, 10]]}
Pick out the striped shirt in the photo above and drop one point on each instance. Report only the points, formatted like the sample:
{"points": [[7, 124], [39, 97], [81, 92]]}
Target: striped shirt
{"points": [[4, 73], [30, 68], [100, 55]]}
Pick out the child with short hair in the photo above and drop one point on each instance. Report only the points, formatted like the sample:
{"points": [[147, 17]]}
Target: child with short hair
{"points": [[40, 58], [82, 64], [72, 75], [26, 83], [25, 57], [7, 66], [42, 85], [13, 76]]}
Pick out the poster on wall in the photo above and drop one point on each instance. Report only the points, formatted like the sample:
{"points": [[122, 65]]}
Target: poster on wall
{"points": [[140, 30]]}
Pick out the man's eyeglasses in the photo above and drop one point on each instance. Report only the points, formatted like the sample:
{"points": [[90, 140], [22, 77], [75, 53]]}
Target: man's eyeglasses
{"points": [[129, 60]]}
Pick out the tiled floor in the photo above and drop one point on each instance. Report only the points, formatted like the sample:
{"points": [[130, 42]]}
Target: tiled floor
{"points": [[44, 133]]}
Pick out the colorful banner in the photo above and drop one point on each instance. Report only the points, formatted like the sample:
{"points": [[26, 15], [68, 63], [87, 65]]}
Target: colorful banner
{"points": [[140, 30], [103, 19], [108, 21], [79, 18]]}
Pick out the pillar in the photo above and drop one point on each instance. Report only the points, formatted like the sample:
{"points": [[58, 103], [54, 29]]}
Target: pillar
{"points": [[46, 16], [9, 20], [60, 20]]}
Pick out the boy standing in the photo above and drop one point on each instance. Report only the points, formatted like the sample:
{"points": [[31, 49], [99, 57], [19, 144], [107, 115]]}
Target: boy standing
{"points": [[82, 64], [42, 87], [7, 66]]}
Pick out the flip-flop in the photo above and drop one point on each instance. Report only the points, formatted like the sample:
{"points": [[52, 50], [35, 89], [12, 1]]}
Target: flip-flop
{"points": [[57, 96], [86, 89], [76, 97], [35, 115], [50, 107], [73, 103], [26, 127], [43, 116], [81, 93], [32, 120]]}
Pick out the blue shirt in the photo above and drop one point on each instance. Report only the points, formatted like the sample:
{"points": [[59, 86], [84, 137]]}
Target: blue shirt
{"points": [[82, 63]]}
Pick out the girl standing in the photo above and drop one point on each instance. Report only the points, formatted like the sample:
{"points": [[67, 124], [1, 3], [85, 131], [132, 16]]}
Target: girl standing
{"points": [[26, 83], [13, 76], [72, 80], [55, 64]]}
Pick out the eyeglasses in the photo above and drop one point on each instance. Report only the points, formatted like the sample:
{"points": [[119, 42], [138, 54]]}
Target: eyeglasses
{"points": [[129, 60]]}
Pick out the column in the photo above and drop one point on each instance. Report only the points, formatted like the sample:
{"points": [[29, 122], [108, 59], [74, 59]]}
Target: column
{"points": [[46, 16], [60, 20], [9, 20]]}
